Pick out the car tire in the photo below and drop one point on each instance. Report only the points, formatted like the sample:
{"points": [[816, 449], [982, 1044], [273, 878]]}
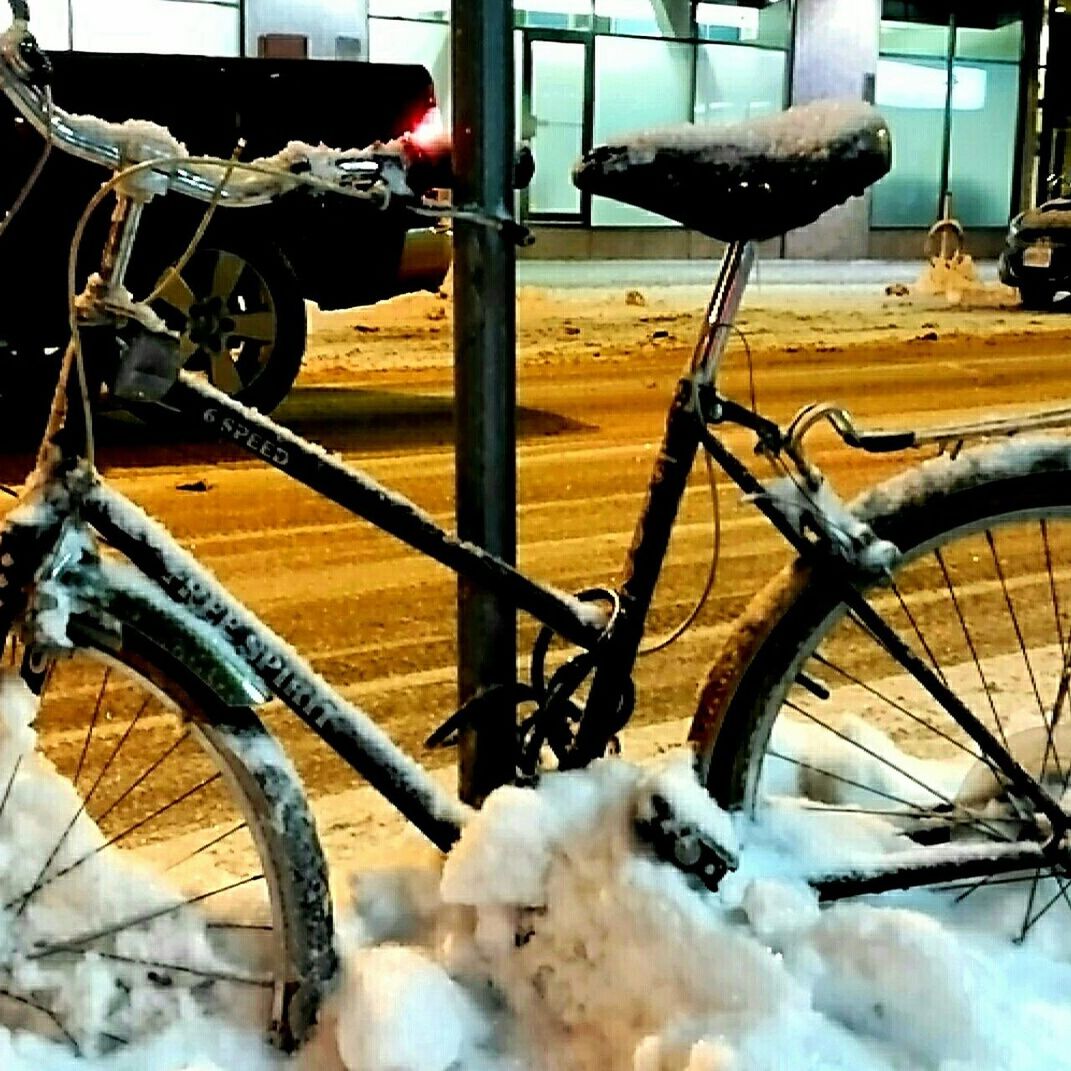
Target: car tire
{"points": [[239, 310], [1037, 296]]}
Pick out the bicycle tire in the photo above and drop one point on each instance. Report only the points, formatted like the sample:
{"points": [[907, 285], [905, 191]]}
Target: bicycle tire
{"points": [[984, 538], [157, 777]]}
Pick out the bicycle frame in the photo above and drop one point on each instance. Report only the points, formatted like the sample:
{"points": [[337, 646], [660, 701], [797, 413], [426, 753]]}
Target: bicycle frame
{"points": [[66, 491], [72, 492]]}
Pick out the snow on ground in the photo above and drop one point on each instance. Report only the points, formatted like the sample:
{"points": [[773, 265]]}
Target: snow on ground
{"points": [[912, 303], [552, 939]]}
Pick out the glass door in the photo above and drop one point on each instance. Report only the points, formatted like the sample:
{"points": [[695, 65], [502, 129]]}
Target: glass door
{"points": [[555, 121]]}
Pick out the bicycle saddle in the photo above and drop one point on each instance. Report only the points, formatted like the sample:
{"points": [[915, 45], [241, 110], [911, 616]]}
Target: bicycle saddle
{"points": [[749, 180]]}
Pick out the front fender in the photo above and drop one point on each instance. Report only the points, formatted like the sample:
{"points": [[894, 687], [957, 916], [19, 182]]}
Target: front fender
{"points": [[907, 496], [118, 598]]}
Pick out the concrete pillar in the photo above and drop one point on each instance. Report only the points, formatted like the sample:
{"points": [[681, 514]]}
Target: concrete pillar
{"points": [[836, 55]]}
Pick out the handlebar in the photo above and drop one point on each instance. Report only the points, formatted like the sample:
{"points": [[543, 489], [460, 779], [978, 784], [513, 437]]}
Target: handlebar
{"points": [[376, 173]]}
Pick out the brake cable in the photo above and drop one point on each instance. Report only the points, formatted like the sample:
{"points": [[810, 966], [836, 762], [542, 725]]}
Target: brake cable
{"points": [[35, 172], [712, 573]]}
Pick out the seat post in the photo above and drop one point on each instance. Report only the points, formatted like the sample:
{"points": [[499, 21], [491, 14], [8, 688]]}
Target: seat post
{"points": [[729, 286]]}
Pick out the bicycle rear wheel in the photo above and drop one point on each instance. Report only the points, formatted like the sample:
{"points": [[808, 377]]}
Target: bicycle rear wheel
{"points": [[811, 725], [161, 859]]}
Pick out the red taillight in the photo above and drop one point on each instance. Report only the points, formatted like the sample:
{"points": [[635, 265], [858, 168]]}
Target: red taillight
{"points": [[428, 153], [430, 133]]}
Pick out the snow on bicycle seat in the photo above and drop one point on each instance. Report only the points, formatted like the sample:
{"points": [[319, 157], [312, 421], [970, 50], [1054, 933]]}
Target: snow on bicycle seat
{"points": [[749, 180]]}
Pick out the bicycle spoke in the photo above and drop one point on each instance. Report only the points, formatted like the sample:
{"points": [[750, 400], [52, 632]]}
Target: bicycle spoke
{"points": [[1064, 683], [918, 632], [82, 808], [200, 972], [138, 782], [892, 766], [73, 943], [1030, 904], [845, 781], [45, 1010], [1050, 747], [970, 646], [992, 880], [1060, 894], [149, 771], [900, 708], [881, 812], [64, 871], [10, 783], [205, 847], [92, 723]]}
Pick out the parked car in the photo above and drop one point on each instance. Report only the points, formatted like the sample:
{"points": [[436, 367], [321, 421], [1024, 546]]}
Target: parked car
{"points": [[242, 296], [1036, 258]]}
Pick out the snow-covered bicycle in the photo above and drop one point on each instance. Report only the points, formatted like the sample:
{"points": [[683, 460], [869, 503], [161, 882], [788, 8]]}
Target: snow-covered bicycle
{"points": [[932, 615]]}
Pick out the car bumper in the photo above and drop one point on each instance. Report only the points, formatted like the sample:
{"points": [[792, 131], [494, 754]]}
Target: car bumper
{"points": [[1014, 268], [425, 259]]}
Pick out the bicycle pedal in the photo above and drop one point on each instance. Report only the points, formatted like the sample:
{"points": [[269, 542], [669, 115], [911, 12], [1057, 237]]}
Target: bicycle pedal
{"points": [[681, 842]]}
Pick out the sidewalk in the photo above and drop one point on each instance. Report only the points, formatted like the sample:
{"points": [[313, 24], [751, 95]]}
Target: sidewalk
{"points": [[597, 273]]}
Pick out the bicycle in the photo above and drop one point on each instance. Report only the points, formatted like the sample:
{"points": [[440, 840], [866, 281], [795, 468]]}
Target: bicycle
{"points": [[913, 600]]}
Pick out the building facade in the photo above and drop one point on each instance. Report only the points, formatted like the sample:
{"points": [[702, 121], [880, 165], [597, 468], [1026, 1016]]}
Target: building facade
{"points": [[588, 70]]}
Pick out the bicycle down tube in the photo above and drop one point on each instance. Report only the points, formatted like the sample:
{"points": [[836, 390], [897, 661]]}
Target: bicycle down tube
{"points": [[351, 733], [363, 496]]}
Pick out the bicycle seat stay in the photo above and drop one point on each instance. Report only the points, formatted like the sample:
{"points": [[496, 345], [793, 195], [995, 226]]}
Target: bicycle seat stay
{"points": [[746, 181]]}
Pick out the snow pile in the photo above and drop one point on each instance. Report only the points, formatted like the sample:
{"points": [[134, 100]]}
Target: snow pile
{"points": [[552, 938], [584, 951], [952, 277]]}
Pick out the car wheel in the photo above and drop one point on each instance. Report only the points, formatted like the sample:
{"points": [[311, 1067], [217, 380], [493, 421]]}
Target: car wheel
{"points": [[241, 316], [1037, 296]]}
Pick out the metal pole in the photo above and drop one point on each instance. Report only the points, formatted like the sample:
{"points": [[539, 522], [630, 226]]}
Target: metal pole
{"points": [[946, 142], [484, 372]]}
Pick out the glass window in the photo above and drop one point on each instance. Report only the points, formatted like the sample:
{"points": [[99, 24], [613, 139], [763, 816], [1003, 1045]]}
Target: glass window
{"points": [[429, 10], [985, 104], [553, 14], [912, 39], [49, 23], [982, 157], [649, 18], [1004, 43], [770, 25], [911, 91], [734, 83], [624, 103], [911, 96], [427, 43], [178, 27], [557, 124]]}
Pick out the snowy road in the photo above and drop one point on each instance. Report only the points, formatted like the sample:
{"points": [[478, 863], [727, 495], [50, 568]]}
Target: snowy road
{"points": [[594, 378]]}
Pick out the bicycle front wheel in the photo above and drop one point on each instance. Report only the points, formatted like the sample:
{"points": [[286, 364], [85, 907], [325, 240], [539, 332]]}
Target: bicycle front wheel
{"points": [[160, 859], [810, 724]]}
